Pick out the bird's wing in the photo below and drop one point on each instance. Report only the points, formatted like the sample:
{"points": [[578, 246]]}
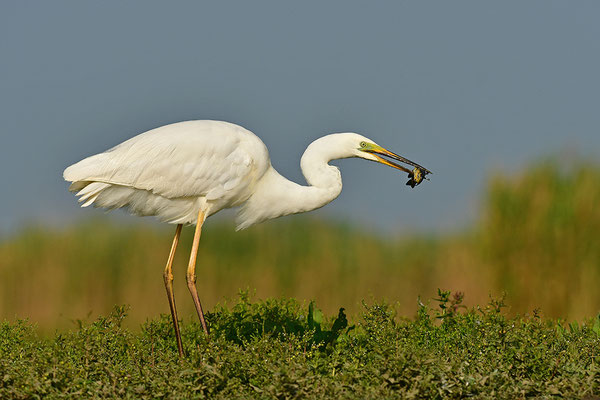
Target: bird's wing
{"points": [[179, 160]]}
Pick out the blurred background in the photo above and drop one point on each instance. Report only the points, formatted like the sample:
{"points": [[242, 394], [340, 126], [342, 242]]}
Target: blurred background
{"points": [[499, 100]]}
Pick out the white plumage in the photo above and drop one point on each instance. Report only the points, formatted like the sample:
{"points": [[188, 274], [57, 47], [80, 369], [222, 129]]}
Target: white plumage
{"points": [[173, 171], [185, 172]]}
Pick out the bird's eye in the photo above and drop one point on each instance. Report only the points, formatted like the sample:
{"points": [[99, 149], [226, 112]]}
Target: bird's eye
{"points": [[363, 144]]}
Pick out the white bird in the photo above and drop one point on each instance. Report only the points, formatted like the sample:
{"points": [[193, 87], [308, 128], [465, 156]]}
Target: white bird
{"points": [[184, 172]]}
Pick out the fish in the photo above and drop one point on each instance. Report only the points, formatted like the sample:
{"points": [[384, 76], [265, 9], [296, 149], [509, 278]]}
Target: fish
{"points": [[416, 176]]}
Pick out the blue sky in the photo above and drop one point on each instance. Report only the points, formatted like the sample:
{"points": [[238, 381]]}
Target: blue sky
{"points": [[464, 88]]}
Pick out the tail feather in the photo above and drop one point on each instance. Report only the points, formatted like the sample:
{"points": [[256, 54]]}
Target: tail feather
{"points": [[89, 193], [90, 201]]}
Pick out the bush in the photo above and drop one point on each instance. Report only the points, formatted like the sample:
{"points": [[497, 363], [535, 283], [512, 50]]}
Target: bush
{"points": [[279, 349]]}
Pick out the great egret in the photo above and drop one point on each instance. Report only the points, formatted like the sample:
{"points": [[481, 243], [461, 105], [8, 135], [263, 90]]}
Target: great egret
{"points": [[184, 172]]}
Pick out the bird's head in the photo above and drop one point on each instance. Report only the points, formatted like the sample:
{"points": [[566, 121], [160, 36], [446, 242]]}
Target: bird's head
{"points": [[345, 145], [369, 150]]}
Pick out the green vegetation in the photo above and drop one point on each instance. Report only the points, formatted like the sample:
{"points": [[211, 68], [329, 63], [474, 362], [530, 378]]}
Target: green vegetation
{"points": [[274, 349]]}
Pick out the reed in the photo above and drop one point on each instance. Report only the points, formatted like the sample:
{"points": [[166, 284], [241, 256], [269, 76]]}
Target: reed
{"points": [[538, 240]]}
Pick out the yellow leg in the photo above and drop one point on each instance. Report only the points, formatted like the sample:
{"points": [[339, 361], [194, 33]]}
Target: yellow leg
{"points": [[191, 271], [168, 276]]}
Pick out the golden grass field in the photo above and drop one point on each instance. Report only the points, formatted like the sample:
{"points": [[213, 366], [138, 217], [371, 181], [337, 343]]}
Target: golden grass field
{"points": [[537, 239]]}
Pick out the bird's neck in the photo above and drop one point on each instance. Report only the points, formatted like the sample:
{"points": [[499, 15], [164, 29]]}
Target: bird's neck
{"points": [[276, 196]]}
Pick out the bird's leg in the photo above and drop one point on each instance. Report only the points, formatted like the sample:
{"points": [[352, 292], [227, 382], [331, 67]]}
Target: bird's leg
{"points": [[168, 275], [191, 271]]}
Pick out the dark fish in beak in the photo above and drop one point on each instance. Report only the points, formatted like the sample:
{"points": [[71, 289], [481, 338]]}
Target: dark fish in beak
{"points": [[415, 176]]}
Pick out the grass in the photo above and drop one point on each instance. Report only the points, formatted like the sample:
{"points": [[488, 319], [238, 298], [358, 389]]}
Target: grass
{"points": [[282, 349], [540, 236]]}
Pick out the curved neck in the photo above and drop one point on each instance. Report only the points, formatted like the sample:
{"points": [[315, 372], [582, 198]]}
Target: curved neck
{"points": [[276, 196]]}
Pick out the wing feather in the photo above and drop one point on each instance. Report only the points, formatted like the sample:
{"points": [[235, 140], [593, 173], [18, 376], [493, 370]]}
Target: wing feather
{"points": [[186, 159]]}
